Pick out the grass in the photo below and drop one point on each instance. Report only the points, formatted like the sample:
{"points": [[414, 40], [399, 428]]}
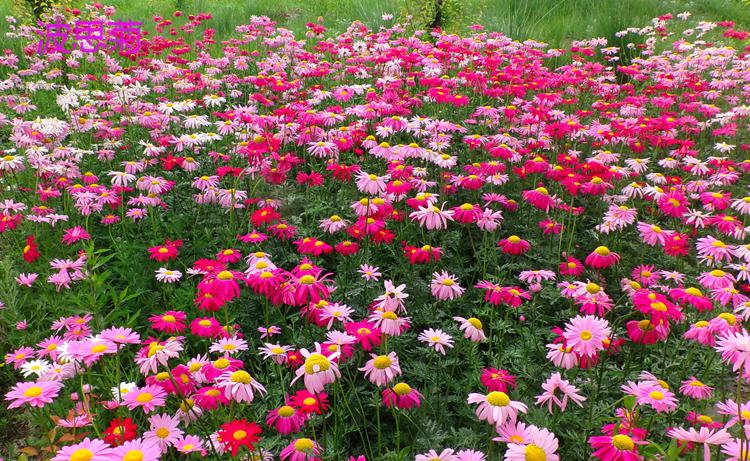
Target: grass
{"points": [[556, 22]]}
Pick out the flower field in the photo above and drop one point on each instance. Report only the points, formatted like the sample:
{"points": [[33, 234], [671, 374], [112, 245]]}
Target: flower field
{"points": [[381, 244]]}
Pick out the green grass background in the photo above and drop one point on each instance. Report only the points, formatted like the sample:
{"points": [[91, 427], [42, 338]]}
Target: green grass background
{"points": [[556, 22]]}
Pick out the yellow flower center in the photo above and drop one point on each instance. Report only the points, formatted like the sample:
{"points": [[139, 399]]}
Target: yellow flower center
{"points": [[593, 288], [498, 399], [309, 401], [286, 411], [162, 432], [307, 280], [475, 322], [133, 455], [33, 391], [225, 275], [82, 454], [692, 291], [389, 315], [659, 306], [144, 398], [448, 282], [169, 318], [401, 389], [239, 435], [586, 335], [205, 323], [316, 363], [381, 362], [221, 363], [656, 395], [534, 453], [717, 273], [303, 445], [514, 239], [241, 376], [729, 318], [705, 419], [623, 442], [602, 251]]}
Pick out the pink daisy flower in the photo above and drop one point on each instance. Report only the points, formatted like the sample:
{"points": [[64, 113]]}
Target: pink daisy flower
{"points": [[735, 350], [382, 369], [437, 339], [444, 286], [556, 384], [496, 407], [317, 370], [472, 328], [514, 245], [239, 386], [402, 396], [302, 449], [657, 397], [286, 419], [586, 335], [35, 394], [90, 450], [602, 258], [164, 431], [74, 234], [189, 444], [540, 446], [148, 398], [138, 449], [695, 389]]}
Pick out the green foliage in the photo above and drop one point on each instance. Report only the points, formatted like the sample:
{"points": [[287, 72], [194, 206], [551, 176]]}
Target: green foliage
{"points": [[31, 11], [449, 15]]}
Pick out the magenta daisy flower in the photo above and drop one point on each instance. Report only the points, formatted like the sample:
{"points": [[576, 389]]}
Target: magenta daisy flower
{"points": [[586, 334], [88, 450], [148, 398], [34, 394], [136, 450]]}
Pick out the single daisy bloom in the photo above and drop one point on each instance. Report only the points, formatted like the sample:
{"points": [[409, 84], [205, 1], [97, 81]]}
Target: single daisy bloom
{"points": [[540, 446], [472, 328], [401, 396], [554, 385], [444, 286], [436, 339], [586, 334], [382, 369], [695, 389], [136, 450], [317, 370], [302, 449], [496, 407], [33, 393], [239, 386]]}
